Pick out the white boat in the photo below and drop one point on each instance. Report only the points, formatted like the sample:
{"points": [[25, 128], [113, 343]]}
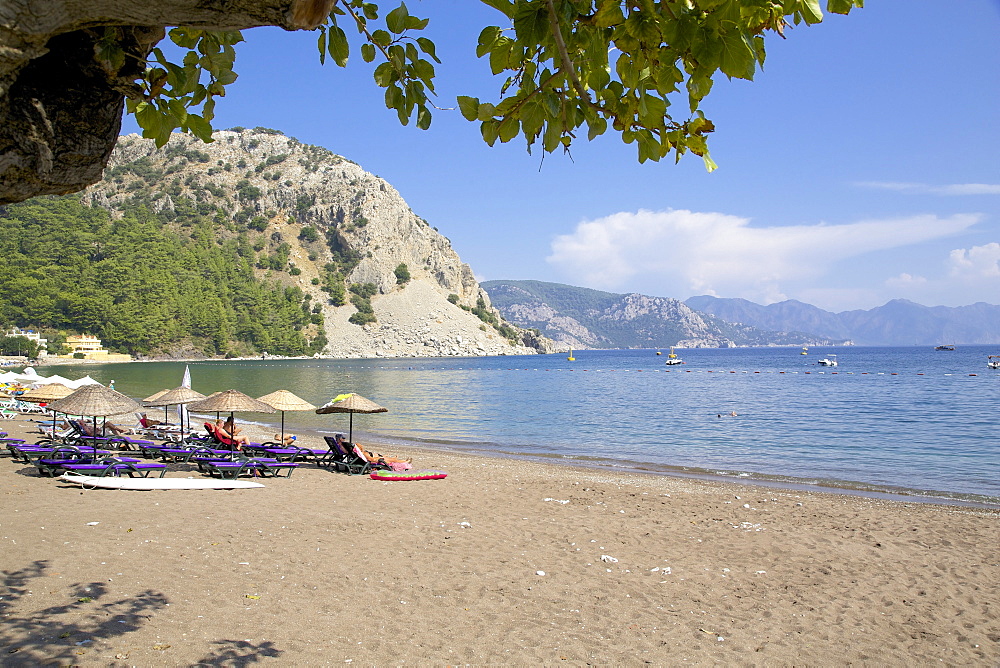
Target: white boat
{"points": [[672, 358], [993, 361], [831, 360]]}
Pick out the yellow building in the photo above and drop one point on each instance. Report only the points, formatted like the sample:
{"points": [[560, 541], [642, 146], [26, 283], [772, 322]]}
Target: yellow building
{"points": [[90, 347]]}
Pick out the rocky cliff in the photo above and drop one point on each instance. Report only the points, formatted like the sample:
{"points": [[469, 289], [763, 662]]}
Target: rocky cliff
{"points": [[318, 221]]}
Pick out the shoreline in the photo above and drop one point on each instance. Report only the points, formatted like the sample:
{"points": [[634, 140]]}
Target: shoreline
{"points": [[785, 483], [504, 562]]}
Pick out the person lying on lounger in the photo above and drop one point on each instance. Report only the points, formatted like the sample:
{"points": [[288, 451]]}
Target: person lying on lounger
{"points": [[150, 422], [369, 455], [88, 429], [289, 440]]}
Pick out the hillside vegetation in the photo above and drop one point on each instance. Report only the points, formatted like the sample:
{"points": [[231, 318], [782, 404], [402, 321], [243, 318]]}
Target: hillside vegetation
{"points": [[142, 286]]}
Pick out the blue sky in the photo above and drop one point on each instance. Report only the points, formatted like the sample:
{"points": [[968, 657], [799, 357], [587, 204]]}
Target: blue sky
{"points": [[860, 166]]}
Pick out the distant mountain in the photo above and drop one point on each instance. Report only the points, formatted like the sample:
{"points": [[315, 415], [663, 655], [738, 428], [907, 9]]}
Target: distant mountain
{"points": [[585, 318], [897, 323]]}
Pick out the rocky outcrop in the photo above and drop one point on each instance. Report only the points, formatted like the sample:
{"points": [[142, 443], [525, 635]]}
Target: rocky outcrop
{"points": [[329, 218]]}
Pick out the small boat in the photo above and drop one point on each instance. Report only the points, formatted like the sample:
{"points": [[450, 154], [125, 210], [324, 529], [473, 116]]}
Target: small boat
{"points": [[805, 351], [672, 358], [944, 347], [993, 361], [830, 360]]}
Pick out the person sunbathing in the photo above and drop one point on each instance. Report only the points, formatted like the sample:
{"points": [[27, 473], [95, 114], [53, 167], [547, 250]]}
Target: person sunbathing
{"points": [[150, 422], [221, 432], [287, 441], [370, 455], [88, 429]]}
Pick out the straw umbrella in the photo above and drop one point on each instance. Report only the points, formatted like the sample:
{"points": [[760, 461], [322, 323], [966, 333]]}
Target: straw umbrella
{"points": [[351, 403], [95, 401], [283, 400], [151, 401], [47, 393], [232, 401], [174, 397]]}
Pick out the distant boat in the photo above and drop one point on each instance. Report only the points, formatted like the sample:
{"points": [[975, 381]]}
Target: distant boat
{"points": [[571, 358], [944, 347], [993, 361], [672, 358], [830, 360], [805, 350]]}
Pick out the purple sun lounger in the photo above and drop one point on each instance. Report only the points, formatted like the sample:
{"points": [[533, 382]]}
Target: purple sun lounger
{"points": [[131, 468], [230, 470]]}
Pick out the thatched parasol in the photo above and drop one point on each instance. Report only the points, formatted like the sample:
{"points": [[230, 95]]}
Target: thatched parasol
{"points": [[351, 403], [231, 400], [95, 401], [48, 393], [283, 400], [176, 396]]}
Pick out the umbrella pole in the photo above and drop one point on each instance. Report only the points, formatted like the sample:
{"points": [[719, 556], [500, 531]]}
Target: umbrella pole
{"points": [[282, 427], [95, 437], [350, 432]]}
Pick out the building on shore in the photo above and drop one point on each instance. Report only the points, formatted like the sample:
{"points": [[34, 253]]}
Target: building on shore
{"points": [[31, 335], [85, 346]]}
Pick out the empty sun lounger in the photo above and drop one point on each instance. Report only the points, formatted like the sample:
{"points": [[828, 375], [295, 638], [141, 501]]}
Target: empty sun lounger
{"points": [[131, 468], [233, 469]]}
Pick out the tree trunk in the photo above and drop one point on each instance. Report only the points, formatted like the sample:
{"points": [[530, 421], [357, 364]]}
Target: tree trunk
{"points": [[61, 109]]}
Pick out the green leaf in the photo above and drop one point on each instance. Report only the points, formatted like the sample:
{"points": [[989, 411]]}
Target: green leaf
{"points": [[384, 74], [321, 45], [811, 11], [509, 129], [609, 14], [396, 19], [338, 46], [505, 6], [469, 106], [367, 52], [487, 38], [423, 117], [427, 46], [381, 38], [490, 130]]}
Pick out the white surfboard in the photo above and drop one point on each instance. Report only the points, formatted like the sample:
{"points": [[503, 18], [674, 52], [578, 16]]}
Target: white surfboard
{"points": [[112, 482]]}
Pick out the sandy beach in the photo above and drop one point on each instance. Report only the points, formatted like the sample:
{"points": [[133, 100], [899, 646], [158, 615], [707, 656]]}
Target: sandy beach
{"points": [[503, 562]]}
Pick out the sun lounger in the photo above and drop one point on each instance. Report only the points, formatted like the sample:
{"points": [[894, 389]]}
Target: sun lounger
{"points": [[284, 453], [351, 461], [29, 453], [230, 470], [117, 467]]}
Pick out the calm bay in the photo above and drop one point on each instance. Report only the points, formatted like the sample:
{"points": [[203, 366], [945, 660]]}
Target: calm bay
{"points": [[885, 420]]}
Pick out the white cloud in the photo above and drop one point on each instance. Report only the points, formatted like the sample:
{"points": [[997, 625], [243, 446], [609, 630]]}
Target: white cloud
{"points": [[975, 263], [685, 252], [949, 189], [905, 282]]}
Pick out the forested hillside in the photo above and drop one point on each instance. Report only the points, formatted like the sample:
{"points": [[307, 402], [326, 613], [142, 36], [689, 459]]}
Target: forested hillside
{"points": [[147, 282]]}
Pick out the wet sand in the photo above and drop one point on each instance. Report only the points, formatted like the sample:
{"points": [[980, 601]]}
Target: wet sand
{"points": [[502, 562]]}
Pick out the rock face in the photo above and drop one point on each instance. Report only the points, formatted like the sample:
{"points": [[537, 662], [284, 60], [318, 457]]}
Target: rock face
{"points": [[583, 318], [327, 221]]}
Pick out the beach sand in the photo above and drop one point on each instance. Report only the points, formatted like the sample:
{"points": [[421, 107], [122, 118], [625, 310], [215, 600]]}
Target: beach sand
{"points": [[502, 562]]}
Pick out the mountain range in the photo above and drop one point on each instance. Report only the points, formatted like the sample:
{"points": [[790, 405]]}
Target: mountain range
{"points": [[584, 318], [897, 323]]}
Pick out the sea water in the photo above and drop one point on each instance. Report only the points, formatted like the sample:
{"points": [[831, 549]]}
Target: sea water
{"points": [[891, 420]]}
